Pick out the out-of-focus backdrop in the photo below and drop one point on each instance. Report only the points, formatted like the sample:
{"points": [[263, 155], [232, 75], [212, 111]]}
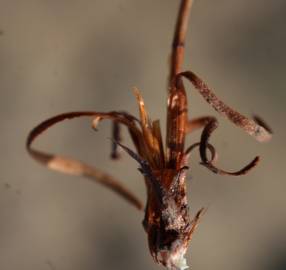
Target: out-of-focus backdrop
{"points": [[58, 56]]}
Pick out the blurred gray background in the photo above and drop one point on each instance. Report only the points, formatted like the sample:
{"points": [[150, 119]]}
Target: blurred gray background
{"points": [[58, 56]]}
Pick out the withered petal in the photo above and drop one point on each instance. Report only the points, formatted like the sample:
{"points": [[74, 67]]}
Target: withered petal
{"points": [[242, 171], [156, 130], [262, 123], [259, 132], [209, 128], [152, 143], [75, 167]]}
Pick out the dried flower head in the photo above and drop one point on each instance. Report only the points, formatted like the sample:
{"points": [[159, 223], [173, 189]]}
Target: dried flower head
{"points": [[163, 164]]}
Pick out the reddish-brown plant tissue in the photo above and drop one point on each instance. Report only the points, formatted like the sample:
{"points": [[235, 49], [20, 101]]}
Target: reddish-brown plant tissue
{"points": [[163, 164]]}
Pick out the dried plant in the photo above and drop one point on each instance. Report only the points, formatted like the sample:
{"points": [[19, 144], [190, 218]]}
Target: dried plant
{"points": [[167, 220]]}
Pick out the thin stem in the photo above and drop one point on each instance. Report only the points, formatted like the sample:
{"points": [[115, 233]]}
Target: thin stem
{"points": [[178, 46]]}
